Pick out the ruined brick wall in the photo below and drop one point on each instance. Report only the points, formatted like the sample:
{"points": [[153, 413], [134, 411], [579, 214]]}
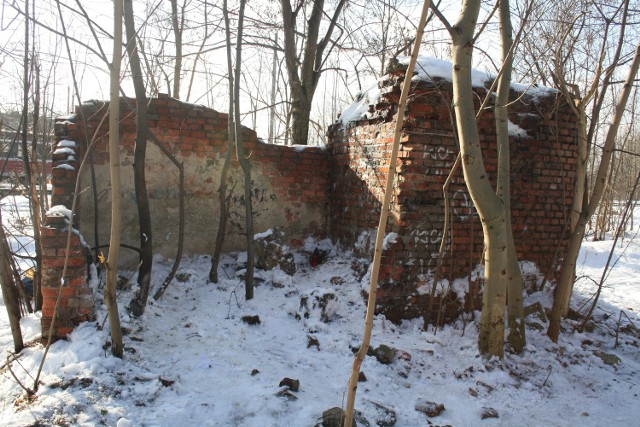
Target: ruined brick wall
{"points": [[289, 183], [67, 295], [314, 191], [542, 180]]}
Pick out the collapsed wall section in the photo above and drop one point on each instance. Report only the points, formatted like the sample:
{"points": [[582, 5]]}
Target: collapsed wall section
{"points": [[543, 161]]}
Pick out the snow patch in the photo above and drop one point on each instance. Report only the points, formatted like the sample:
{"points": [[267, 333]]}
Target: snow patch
{"points": [[264, 234], [428, 68], [424, 289], [364, 242], [71, 118], [533, 89], [460, 287], [358, 109], [221, 369], [60, 210], [65, 166], [65, 150], [300, 148], [65, 143], [529, 267], [123, 422], [389, 240], [517, 131]]}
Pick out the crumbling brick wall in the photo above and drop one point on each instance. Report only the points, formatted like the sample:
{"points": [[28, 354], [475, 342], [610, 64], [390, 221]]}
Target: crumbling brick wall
{"points": [[289, 186], [289, 183], [67, 295], [542, 179], [313, 191]]}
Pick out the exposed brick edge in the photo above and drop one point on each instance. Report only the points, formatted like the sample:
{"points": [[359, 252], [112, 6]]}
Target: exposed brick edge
{"points": [[76, 302]]}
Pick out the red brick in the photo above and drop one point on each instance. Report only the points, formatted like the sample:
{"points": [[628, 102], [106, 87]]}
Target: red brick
{"points": [[63, 331], [76, 282], [64, 292]]}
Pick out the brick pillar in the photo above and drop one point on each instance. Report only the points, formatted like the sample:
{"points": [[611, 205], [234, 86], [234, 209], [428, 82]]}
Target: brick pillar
{"points": [[66, 155], [76, 302]]}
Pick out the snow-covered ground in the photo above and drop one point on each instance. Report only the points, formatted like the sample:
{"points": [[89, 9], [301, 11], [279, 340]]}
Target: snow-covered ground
{"points": [[192, 361]]}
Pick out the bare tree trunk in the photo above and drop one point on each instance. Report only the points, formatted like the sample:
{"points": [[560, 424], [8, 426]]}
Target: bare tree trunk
{"points": [[177, 22], [222, 190], [25, 95], [274, 81], [222, 220], [245, 165], [34, 179], [117, 347], [382, 225], [304, 70], [515, 311], [223, 208], [594, 96], [300, 117], [487, 203], [603, 220], [581, 167], [446, 228], [565, 284], [34, 206], [10, 291], [139, 301]]}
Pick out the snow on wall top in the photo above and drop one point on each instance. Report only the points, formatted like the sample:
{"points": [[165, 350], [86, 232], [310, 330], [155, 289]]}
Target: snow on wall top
{"points": [[60, 210], [360, 106], [65, 143], [428, 68], [64, 150]]}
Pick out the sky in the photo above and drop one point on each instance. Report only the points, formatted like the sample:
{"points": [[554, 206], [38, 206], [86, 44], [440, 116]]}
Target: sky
{"points": [[335, 90]]}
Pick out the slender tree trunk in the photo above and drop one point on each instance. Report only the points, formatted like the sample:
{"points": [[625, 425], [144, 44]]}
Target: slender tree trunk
{"points": [[300, 117], [223, 208], [274, 86], [446, 228], [594, 96], [25, 95], [222, 190], [177, 23], [245, 165], [515, 311], [565, 284], [117, 347], [581, 167], [10, 291], [34, 179], [34, 206], [139, 301], [382, 225], [489, 206]]}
